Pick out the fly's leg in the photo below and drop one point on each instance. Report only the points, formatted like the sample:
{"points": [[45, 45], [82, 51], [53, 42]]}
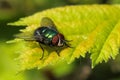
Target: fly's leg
{"points": [[42, 53], [68, 45], [68, 40], [57, 51]]}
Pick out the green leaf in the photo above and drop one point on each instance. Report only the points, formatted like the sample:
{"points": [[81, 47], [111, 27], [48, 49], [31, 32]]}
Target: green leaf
{"points": [[8, 66], [92, 28]]}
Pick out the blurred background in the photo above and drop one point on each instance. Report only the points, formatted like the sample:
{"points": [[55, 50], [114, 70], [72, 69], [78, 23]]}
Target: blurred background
{"points": [[12, 10]]}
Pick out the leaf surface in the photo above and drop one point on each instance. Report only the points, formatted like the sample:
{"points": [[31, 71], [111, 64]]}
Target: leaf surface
{"points": [[93, 29]]}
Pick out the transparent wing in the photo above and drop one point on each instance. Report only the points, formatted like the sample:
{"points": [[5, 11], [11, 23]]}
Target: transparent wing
{"points": [[48, 23], [25, 36]]}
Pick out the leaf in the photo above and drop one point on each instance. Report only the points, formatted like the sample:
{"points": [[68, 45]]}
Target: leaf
{"points": [[92, 28], [109, 44], [7, 58]]}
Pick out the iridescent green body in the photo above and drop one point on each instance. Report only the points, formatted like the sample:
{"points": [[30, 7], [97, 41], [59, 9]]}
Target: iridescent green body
{"points": [[45, 35], [49, 33]]}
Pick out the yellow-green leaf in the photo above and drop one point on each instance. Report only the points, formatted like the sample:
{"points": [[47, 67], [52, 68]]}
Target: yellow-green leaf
{"points": [[92, 28]]}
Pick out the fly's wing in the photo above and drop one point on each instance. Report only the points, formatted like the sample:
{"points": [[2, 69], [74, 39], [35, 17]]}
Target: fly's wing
{"points": [[25, 36], [47, 22]]}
